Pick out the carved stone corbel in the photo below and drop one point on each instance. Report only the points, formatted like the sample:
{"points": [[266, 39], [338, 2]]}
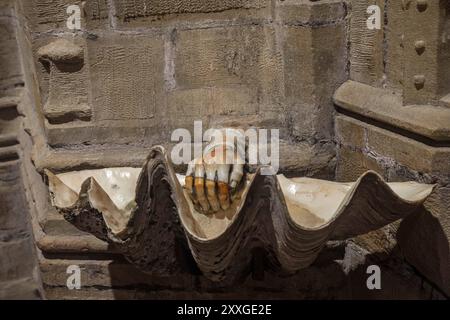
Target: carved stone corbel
{"points": [[67, 97]]}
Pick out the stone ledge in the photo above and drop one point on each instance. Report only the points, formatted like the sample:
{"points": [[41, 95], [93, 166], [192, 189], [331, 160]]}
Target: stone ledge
{"points": [[9, 154], [383, 146], [9, 102], [95, 158], [73, 244], [383, 105], [300, 158]]}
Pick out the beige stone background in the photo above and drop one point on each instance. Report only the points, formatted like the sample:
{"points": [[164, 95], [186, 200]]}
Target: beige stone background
{"points": [[346, 99]]}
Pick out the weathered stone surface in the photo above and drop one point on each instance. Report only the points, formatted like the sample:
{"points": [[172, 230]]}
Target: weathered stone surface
{"points": [[424, 236], [23, 289], [366, 45], [310, 13], [16, 263], [152, 66], [422, 64], [51, 15], [424, 239], [394, 44], [126, 77], [223, 61], [42, 15], [352, 163], [116, 279], [149, 13], [63, 60], [11, 70], [379, 143], [444, 50], [385, 106], [311, 77], [17, 249], [132, 9]]}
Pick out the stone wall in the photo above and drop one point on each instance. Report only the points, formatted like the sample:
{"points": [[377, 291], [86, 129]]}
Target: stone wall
{"points": [[100, 96], [271, 64], [394, 118], [19, 269]]}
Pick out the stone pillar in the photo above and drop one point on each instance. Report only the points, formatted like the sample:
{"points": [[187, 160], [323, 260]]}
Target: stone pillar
{"points": [[19, 269]]}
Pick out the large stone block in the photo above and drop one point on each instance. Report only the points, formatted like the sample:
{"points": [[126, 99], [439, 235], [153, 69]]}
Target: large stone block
{"points": [[330, 71], [421, 44], [389, 147], [299, 66], [143, 13], [22, 289], [352, 164], [383, 105], [16, 258], [198, 103], [424, 236], [218, 56], [340, 273], [394, 48], [51, 15], [127, 76], [129, 9], [310, 13], [408, 152], [444, 51], [11, 71], [12, 203], [228, 71], [314, 54], [366, 50]]}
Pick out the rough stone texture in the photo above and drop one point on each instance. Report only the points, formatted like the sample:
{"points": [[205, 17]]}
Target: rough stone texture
{"points": [[18, 264], [410, 46], [11, 72], [379, 142], [427, 121], [366, 50], [425, 63], [126, 77], [272, 64], [116, 279], [218, 67], [19, 269], [444, 51], [399, 131], [424, 237], [393, 44]]}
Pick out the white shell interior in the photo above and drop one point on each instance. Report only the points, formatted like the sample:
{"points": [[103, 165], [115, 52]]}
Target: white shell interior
{"points": [[118, 183], [311, 202]]}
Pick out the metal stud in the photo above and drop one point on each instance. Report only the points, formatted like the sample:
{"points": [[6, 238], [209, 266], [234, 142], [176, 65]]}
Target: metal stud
{"points": [[420, 46], [419, 81]]}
